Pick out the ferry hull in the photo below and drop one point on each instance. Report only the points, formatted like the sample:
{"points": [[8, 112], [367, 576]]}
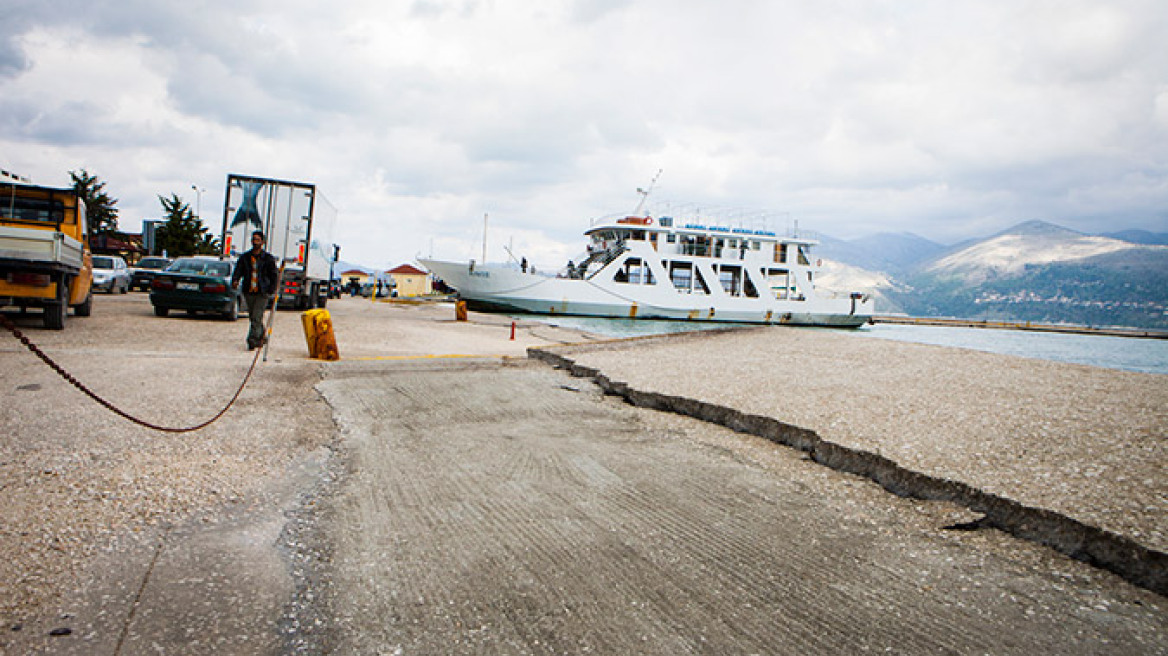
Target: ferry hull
{"points": [[502, 289]]}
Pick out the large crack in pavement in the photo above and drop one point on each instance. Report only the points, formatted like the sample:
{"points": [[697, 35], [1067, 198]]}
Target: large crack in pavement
{"points": [[1138, 564]]}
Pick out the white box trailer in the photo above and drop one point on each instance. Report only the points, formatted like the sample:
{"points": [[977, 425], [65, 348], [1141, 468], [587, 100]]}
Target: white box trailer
{"points": [[298, 222]]}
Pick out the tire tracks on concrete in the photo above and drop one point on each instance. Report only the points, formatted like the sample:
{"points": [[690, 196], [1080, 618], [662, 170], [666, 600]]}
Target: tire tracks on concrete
{"points": [[497, 509]]}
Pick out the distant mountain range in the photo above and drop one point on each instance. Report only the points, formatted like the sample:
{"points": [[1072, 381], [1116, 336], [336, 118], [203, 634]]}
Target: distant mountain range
{"points": [[1035, 271]]}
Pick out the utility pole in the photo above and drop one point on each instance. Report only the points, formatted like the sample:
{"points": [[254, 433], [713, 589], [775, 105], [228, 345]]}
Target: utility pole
{"points": [[198, 202]]}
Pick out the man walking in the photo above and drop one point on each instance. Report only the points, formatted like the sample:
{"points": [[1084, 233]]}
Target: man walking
{"points": [[257, 271]]}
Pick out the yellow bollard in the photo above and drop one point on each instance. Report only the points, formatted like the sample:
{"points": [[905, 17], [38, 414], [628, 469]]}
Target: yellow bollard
{"points": [[460, 310], [318, 332]]}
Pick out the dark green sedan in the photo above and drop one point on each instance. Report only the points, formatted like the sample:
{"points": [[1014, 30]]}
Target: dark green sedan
{"points": [[196, 284]]}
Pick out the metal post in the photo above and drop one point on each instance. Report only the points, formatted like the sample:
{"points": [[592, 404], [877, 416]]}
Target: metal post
{"points": [[198, 202]]}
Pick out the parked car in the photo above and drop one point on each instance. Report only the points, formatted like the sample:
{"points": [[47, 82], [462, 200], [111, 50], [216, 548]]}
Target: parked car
{"points": [[110, 274], [196, 284], [142, 273]]}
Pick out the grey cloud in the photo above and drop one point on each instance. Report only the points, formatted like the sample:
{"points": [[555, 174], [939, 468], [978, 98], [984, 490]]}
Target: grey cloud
{"points": [[853, 116], [12, 59], [589, 11]]}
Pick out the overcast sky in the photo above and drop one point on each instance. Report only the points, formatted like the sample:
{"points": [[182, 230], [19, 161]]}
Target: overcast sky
{"points": [[949, 120]]}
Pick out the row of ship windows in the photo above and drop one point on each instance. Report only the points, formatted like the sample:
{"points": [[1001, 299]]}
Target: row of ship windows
{"points": [[685, 240], [704, 246], [685, 278]]}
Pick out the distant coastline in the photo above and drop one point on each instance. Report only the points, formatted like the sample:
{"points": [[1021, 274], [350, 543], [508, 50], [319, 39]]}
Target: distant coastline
{"points": [[1113, 331]]}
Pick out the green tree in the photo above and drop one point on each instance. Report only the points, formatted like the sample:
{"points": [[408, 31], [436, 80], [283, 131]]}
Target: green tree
{"points": [[183, 233], [100, 211]]}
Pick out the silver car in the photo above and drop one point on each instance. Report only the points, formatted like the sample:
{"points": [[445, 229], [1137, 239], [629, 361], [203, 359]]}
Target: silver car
{"points": [[110, 274]]}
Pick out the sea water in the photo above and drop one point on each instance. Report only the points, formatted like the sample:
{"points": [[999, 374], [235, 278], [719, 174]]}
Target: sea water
{"points": [[1125, 353]]}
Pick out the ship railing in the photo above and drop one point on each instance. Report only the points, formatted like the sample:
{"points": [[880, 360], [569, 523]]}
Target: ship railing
{"points": [[602, 259]]}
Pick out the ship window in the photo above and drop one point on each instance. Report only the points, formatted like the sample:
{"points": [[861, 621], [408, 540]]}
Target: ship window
{"points": [[803, 256], [699, 246], [671, 238], [730, 278], [778, 282], [754, 245], [749, 288], [634, 272], [681, 275], [700, 281]]}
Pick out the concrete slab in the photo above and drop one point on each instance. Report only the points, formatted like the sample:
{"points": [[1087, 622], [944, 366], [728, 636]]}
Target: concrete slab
{"points": [[512, 509], [1063, 440]]}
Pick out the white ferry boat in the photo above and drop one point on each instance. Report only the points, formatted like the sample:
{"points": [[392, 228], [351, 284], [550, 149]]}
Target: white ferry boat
{"points": [[642, 267]]}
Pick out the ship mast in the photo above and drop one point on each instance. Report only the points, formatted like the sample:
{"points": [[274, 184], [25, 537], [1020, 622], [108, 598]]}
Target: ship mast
{"points": [[645, 193]]}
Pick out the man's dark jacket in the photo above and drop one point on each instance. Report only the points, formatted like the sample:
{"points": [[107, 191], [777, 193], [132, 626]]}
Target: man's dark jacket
{"points": [[267, 272]]}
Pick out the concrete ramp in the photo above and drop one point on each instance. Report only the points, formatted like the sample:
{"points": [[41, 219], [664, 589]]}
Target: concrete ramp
{"points": [[497, 508]]}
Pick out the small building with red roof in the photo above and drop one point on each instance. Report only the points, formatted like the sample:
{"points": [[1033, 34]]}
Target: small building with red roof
{"points": [[360, 275], [410, 281]]}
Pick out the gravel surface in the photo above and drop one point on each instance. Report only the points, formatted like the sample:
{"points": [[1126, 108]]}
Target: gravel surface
{"points": [[80, 482], [1086, 442], [101, 519], [81, 487]]}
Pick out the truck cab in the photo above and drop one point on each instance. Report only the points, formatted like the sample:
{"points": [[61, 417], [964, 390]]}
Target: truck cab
{"points": [[44, 252]]}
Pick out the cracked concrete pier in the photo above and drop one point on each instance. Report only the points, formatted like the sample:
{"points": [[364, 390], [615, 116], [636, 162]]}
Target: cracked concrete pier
{"points": [[436, 493], [1066, 455]]}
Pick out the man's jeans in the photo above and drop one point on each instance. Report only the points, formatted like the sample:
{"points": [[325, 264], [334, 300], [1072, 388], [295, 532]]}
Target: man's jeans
{"points": [[256, 304]]}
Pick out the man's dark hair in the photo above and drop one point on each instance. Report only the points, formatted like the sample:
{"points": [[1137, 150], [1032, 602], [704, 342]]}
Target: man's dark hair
{"points": [[260, 233]]}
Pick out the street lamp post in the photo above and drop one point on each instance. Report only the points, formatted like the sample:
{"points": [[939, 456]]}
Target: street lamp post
{"points": [[198, 201]]}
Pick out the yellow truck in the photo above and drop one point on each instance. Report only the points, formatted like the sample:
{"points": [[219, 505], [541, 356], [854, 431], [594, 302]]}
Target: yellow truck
{"points": [[44, 252]]}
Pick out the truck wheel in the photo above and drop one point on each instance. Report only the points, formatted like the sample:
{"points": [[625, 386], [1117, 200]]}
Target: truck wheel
{"points": [[85, 308], [161, 311], [55, 313], [233, 313], [321, 301]]}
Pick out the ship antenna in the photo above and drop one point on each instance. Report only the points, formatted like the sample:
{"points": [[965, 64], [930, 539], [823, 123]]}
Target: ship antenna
{"points": [[645, 193]]}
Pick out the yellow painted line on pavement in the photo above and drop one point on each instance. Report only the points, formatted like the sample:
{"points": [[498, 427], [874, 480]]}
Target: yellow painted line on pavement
{"points": [[432, 356]]}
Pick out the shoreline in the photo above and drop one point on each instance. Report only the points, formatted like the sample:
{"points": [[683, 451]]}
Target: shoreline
{"points": [[1111, 331]]}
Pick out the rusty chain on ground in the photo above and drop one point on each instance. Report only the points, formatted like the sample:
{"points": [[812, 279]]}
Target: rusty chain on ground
{"points": [[110, 406]]}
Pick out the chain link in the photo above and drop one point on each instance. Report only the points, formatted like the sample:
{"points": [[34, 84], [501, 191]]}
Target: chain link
{"points": [[110, 406]]}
